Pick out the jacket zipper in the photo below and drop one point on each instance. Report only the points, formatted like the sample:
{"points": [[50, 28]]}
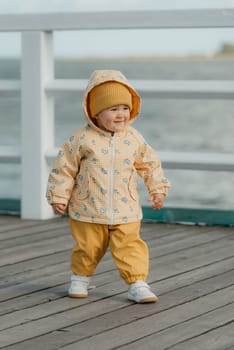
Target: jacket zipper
{"points": [[111, 190]]}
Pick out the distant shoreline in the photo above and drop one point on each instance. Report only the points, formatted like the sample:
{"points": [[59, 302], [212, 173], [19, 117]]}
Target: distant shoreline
{"points": [[195, 57]]}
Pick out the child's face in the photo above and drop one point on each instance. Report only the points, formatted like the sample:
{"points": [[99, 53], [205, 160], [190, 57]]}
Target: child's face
{"points": [[113, 119]]}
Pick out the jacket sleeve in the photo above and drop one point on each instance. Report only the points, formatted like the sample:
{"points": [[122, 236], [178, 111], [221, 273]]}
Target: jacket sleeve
{"points": [[62, 176], [149, 167]]}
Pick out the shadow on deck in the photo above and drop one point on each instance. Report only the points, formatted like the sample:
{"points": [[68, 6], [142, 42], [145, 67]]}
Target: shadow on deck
{"points": [[191, 272]]}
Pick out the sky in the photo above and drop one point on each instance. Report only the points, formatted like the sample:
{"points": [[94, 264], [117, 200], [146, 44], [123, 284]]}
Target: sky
{"points": [[120, 43]]}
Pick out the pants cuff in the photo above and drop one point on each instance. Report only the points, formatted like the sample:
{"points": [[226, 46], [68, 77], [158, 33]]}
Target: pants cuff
{"points": [[132, 279]]}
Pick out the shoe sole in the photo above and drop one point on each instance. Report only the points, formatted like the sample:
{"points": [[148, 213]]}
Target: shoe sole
{"points": [[78, 295], [146, 300]]}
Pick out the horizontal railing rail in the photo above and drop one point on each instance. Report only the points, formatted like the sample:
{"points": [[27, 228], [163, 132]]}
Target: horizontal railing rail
{"points": [[38, 87], [191, 89], [148, 19]]}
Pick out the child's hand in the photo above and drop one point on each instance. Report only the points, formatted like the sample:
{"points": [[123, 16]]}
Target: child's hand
{"points": [[59, 209], [157, 199]]}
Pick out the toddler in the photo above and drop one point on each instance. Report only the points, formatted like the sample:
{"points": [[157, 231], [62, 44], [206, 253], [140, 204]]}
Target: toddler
{"points": [[94, 178]]}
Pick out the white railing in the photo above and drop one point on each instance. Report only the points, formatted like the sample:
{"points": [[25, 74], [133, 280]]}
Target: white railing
{"points": [[38, 88]]}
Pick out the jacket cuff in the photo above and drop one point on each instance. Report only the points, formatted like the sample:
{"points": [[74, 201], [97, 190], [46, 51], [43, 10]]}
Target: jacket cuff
{"points": [[163, 190], [55, 199]]}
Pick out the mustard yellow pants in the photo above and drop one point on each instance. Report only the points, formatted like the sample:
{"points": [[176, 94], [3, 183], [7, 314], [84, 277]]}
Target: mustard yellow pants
{"points": [[129, 251]]}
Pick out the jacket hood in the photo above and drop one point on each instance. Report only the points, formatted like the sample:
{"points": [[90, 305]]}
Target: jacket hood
{"points": [[102, 76]]}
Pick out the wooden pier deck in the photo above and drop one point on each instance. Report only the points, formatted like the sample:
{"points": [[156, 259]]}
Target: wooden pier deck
{"points": [[191, 272]]}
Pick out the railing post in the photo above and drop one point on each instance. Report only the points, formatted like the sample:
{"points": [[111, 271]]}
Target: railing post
{"points": [[37, 122]]}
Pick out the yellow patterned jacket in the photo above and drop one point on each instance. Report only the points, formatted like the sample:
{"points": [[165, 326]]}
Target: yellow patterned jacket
{"points": [[96, 173]]}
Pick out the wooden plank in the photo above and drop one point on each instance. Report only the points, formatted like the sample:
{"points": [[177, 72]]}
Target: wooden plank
{"points": [[15, 224], [34, 276], [157, 231], [217, 339], [142, 327], [30, 251], [181, 336], [165, 266], [202, 251], [194, 254], [38, 297], [162, 287], [164, 284], [37, 263], [176, 235], [116, 328], [8, 219], [33, 285], [187, 242], [187, 263], [26, 228], [69, 317], [182, 241], [30, 229], [40, 235], [157, 250], [34, 264]]}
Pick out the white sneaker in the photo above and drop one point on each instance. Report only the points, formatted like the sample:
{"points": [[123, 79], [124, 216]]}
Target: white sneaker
{"points": [[79, 286], [140, 292]]}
